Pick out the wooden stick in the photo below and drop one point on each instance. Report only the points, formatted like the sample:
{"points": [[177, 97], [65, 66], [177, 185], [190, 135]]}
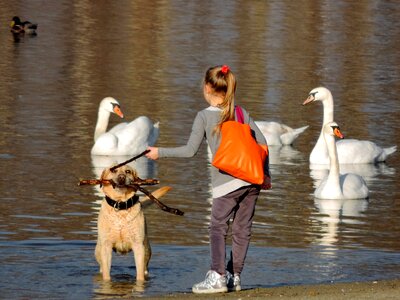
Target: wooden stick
{"points": [[95, 181], [159, 203], [137, 181], [136, 185]]}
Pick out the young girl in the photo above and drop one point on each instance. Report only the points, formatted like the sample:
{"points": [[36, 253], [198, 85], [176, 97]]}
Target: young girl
{"points": [[232, 197]]}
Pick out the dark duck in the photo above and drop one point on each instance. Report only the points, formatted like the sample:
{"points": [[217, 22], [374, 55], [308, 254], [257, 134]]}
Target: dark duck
{"points": [[17, 26]]}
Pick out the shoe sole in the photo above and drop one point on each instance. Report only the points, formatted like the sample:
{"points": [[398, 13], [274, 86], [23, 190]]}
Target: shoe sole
{"points": [[235, 289], [210, 291]]}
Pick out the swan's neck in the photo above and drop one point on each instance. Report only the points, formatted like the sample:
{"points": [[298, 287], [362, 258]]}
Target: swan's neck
{"points": [[328, 109], [334, 171], [102, 123], [320, 146]]}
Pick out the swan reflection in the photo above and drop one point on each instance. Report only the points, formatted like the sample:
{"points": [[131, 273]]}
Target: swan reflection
{"points": [[283, 155], [333, 213]]}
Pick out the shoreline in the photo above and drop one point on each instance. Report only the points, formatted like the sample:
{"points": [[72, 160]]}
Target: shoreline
{"points": [[379, 289]]}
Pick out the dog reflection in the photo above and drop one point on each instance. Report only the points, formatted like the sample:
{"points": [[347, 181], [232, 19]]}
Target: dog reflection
{"points": [[123, 287]]}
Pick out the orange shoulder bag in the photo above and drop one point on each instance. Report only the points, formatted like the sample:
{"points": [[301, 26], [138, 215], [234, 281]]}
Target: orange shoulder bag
{"points": [[239, 154]]}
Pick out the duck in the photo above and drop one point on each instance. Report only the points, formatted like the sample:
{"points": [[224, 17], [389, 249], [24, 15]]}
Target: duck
{"points": [[278, 134], [350, 151], [17, 26], [125, 138], [335, 185]]}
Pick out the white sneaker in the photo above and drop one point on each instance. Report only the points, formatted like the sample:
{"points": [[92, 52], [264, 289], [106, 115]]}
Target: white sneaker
{"points": [[213, 283], [233, 282]]}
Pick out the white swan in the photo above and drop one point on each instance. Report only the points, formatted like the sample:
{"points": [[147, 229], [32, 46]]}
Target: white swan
{"points": [[278, 133], [336, 185], [350, 151], [125, 138]]}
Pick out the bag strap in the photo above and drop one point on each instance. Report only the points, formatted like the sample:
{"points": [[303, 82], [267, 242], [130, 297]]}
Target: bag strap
{"points": [[239, 114]]}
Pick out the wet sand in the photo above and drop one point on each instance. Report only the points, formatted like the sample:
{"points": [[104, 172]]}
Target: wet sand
{"points": [[386, 289]]}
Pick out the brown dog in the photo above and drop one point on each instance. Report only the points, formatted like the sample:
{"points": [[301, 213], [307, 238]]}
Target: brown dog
{"points": [[121, 223]]}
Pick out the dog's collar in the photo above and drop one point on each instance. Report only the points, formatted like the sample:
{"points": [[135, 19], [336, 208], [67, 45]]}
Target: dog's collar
{"points": [[118, 205]]}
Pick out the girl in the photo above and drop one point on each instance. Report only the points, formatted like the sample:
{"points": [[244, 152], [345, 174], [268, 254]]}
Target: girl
{"points": [[232, 197]]}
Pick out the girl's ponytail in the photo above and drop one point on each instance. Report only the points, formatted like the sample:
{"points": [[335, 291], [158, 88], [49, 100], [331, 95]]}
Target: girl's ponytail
{"points": [[223, 81]]}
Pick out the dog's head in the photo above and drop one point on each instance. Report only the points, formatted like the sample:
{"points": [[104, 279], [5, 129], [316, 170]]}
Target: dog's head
{"points": [[121, 177]]}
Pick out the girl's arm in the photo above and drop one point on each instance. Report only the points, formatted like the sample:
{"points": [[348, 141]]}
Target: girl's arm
{"points": [[189, 150]]}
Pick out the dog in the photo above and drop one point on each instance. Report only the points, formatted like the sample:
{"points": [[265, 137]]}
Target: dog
{"points": [[121, 222]]}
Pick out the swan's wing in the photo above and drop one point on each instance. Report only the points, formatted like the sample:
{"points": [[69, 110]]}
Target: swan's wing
{"points": [[353, 151], [289, 137], [136, 136], [118, 127], [272, 127], [279, 133], [353, 186], [106, 144], [272, 132]]}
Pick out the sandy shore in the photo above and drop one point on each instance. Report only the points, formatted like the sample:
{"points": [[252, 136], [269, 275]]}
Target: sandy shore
{"points": [[387, 289]]}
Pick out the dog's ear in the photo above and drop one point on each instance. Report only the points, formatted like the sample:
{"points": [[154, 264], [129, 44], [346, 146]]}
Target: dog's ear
{"points": [[134, 173], [104, 175]]}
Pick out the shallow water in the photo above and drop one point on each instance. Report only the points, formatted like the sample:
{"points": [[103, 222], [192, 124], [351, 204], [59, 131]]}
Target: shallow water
{"points": [[151, 57]]}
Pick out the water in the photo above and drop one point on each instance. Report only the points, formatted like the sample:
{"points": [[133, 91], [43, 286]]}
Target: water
{"points": [[152, 56]]}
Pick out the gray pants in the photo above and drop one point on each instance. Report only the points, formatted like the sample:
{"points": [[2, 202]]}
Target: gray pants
{"points": [[239, 205]]}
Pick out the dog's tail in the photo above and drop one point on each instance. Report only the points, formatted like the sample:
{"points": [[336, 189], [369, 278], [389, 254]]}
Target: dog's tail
{"points": [[145, 201]]}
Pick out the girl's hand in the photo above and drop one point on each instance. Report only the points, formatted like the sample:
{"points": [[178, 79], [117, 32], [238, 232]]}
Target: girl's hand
{"points": [[266, 185], [153, 154]]}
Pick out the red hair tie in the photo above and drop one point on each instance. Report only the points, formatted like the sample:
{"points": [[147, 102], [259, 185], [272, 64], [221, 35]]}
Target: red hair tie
{"points": [[224, 69]]}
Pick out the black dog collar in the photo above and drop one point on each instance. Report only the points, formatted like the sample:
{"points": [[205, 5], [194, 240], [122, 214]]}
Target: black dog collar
{"points": [[117, 205]]}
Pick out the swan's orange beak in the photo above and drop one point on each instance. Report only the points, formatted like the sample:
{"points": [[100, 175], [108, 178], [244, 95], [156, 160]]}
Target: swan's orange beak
{"points": [[337, 133], [118, 111], [309, 99]]}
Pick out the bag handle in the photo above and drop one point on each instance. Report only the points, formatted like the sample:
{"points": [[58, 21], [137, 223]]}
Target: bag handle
{"points": [[239, 114]]}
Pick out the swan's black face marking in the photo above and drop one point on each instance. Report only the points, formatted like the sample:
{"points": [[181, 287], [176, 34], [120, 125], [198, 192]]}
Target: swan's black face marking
{"points": [[114, 105], [313, 94], [334, 127]]}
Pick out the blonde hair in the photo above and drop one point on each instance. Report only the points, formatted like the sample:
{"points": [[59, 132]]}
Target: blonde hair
{"points": [[223, 82]]}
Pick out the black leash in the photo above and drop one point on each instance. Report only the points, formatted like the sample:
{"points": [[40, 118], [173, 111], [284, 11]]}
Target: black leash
{"points": [[129, 160]]}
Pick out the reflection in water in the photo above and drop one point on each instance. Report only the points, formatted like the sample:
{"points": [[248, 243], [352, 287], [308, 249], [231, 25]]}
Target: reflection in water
{"points": [[20, 37], [333, 214], [283, 155], [122, 287]]}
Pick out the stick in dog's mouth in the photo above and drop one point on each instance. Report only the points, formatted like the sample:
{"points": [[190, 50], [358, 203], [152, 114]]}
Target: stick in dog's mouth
{"points": [[136, 185], [138, 181]]}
